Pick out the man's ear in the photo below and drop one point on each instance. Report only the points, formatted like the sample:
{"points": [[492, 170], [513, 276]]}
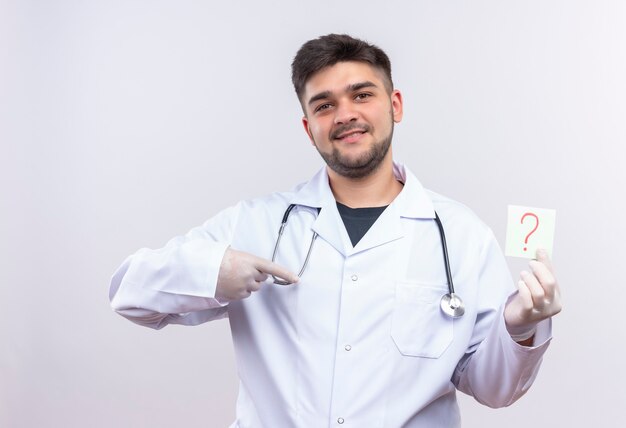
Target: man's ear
{"points": [[305, 123], [396, 105]]}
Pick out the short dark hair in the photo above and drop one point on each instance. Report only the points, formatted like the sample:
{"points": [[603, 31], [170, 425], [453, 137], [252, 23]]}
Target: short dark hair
{"points": [[330, 49]]}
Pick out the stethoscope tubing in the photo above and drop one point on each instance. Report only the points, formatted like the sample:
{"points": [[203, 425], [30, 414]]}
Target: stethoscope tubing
{"points": [[446, 260], [451, 303]]}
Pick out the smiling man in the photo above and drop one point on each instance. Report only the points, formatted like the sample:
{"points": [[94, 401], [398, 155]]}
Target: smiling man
{"points": [[370, 332], [351, 125]]}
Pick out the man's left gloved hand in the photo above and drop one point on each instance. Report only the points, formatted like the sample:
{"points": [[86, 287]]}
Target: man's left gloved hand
{"points": [[537, 299]]}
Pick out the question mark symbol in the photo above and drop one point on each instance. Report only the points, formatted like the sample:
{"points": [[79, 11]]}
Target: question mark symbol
{"points": [[532, 231]]}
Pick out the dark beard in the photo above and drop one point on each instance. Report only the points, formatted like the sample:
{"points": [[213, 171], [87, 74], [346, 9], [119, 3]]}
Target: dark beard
{"points": [[362, 166]]}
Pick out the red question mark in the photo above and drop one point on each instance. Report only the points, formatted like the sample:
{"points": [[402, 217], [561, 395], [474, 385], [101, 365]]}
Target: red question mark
{"points": [[532, 231]]}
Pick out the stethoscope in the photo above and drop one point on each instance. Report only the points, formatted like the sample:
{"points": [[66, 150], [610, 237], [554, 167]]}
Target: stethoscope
{"points": [[451, 304]]}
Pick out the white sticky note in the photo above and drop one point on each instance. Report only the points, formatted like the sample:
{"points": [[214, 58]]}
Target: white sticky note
{"points": [[527, 229]]}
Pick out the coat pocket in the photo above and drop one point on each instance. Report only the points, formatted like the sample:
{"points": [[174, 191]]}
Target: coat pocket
{"points": [[419, 328]]}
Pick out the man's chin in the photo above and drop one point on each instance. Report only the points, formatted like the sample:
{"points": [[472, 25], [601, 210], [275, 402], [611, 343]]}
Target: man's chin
{"points": [[350, 162], [358, 168]]}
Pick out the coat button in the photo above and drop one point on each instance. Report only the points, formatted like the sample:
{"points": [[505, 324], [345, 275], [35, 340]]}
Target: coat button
{"points": [[347, 347], [340, 421], [354, 278]]}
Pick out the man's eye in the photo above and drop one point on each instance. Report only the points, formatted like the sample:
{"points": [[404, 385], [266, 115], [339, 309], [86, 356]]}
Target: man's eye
{"points": [[322, 107], [362, 96]]}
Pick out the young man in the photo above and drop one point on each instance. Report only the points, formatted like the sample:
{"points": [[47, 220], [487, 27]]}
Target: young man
{"points": [[361, 338]]}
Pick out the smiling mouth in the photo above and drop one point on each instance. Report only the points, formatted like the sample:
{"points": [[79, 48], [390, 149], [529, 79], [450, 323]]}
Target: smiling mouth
{"points": [[350, 136], [351, 133]]}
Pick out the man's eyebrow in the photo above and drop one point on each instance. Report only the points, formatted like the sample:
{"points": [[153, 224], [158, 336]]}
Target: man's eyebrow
{"points": [[350, 88], [361, 85], [320, 96]]}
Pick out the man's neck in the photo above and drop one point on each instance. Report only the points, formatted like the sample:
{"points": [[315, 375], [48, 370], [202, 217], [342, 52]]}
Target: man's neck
{"points": [[376, 190]]}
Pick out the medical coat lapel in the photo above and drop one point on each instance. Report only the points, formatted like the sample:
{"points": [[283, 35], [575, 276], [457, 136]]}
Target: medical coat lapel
{"points": [[412, 202], [328, 225], [387, 228]]}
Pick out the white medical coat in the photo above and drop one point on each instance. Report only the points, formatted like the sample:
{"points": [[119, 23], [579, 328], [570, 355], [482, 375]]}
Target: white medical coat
{"points": [[360, 341]]}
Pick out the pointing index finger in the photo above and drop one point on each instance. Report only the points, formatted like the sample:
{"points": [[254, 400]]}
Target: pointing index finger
{"points": [[271, 268]]}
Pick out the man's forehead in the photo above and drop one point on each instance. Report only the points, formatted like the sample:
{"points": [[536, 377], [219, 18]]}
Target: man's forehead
{"points": [[341, 77]]}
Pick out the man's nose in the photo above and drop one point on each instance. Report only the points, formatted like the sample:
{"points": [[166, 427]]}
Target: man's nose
{"points": [[344, 113]]}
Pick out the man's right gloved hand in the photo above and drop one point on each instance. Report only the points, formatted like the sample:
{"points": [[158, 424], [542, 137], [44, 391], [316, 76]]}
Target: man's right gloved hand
{"points": [[242, 273]]}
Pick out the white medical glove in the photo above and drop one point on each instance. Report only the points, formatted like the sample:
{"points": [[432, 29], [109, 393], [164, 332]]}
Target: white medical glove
{"points": [[242, 273], [537, 299]]}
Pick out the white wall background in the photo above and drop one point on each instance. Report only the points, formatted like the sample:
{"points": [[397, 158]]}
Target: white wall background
{"points": [[126, 122]]}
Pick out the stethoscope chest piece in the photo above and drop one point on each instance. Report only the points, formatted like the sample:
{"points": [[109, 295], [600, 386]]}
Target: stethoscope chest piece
{"points": [[452, 305]]}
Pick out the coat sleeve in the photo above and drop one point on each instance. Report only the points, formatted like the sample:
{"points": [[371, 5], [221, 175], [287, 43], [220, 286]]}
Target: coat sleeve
{"points": [[496, 370], [175, 284]]}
